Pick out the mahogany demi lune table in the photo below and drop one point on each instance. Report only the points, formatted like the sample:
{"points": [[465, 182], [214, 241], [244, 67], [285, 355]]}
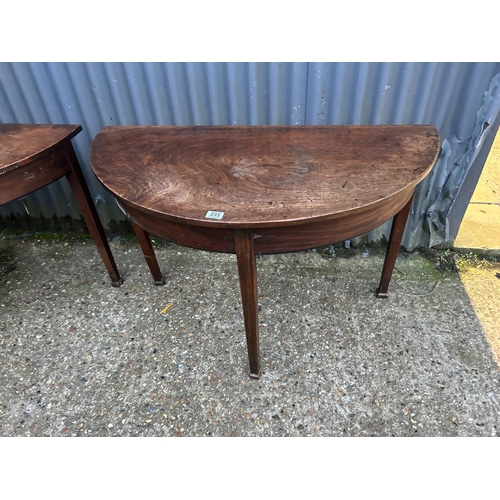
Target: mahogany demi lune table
{"points": [[263, 189], [32, 156]]}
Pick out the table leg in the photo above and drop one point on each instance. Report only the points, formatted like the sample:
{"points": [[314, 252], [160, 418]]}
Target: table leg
{"points": [[83, 197], [149, 254], [247, 271], [397, 230]]}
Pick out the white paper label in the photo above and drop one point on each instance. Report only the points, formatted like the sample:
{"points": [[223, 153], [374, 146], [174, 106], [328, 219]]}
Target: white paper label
{"points": [[214, 215]]}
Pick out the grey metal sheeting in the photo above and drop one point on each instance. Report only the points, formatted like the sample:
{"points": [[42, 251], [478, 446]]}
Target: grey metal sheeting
{"points": [[459, 98]]}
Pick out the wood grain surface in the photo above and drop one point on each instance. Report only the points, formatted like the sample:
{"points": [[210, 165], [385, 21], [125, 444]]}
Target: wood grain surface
{"points": [[21, 144], [261, 176]]}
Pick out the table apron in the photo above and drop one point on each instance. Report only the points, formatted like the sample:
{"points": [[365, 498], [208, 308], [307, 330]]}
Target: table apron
{"points": [[292, 238], [24, 180], [326, 232]]}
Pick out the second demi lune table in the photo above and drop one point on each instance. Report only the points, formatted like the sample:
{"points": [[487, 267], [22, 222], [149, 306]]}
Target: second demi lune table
{"points": [[263, 189], [35, 155]]}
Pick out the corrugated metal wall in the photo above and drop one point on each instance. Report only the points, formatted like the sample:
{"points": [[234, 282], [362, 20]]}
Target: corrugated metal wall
{"points": [[456, 97]]}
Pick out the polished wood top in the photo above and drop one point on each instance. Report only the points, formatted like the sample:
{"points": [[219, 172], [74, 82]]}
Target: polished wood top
{"points": [[21, 144], [261, 176]]}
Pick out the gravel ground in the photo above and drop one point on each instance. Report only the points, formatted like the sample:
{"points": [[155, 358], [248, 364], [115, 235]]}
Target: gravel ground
{"points": [[81, 358]]}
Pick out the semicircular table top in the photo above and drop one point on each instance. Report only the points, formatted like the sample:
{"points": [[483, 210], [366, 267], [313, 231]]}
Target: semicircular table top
{"points": [[24, 143], [261, 176]]}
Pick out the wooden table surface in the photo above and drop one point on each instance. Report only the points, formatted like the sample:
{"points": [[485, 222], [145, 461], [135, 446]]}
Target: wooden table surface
{"points": [[274, 189], [35, 155], [21, 144], [262, 176]]}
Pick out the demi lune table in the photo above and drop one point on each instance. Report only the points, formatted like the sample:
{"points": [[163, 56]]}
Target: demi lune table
{"points": [[263, 189], [32, 156]]}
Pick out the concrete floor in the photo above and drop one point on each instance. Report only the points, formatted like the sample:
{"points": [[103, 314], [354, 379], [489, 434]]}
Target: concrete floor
{"points": [[81, 358]]}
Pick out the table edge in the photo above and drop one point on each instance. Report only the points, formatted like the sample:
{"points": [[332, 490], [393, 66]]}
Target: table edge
{"points": [[77, 128], [263, 224]]}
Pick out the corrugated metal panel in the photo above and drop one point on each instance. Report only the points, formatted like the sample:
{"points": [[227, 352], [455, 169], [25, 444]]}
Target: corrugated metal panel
{"points": [[456, 97], [448, 95]]}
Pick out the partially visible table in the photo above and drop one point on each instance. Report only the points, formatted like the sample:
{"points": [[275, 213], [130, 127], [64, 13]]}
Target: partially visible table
{"points": [[263, 189], [32, 156]]}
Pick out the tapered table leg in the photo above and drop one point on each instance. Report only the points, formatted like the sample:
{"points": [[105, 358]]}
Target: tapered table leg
{"points": [[247, 271], [83, 197], [397, 230], [149, 254]]}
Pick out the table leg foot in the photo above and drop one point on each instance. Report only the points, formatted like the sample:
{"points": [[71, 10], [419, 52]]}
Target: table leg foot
{"points": [[247, 271], [149, 254], [81, 192], [397, 230]]}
